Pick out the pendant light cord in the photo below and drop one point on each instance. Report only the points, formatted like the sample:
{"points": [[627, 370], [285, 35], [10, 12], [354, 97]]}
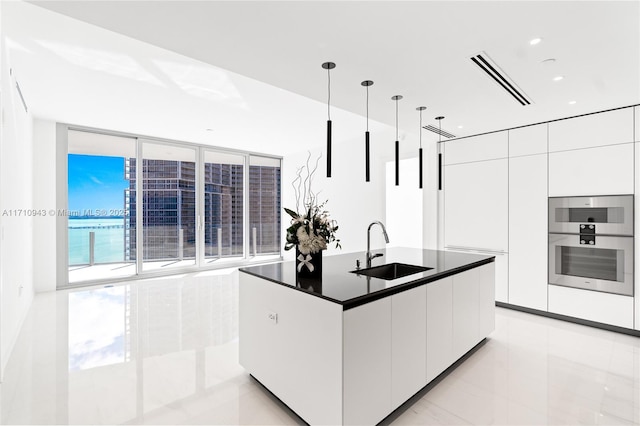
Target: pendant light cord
{"points": [[367, 108], [329, 93], [396, 119], [420, 129]]}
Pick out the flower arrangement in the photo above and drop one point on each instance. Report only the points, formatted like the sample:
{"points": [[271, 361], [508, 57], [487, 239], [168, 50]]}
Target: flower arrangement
{"points": [[311, 230]]}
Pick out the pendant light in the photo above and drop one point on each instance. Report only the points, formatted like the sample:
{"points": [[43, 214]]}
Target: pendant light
{"points": [[422, 108], [366, 84], [397, 98], [328, 66], [440, 118]]}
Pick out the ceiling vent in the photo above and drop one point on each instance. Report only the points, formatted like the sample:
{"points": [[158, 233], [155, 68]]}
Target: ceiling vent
{"points": [[439, 131], [485, 63]]}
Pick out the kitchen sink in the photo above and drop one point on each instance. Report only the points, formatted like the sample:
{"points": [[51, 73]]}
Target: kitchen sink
{"points": [[391, 271]]}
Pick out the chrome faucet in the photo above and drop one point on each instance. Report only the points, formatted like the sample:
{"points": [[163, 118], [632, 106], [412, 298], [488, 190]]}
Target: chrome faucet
{"points": [[386, 238]]}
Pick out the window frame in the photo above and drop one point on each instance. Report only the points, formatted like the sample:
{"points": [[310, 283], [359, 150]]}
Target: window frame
{"points": [[200, 258]]}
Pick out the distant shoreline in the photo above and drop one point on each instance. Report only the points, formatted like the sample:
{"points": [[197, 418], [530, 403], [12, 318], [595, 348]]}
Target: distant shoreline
{"points": [[95, 217]]}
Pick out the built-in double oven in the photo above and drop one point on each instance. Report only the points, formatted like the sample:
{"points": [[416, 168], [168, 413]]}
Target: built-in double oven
{"points": [[591, 243]]}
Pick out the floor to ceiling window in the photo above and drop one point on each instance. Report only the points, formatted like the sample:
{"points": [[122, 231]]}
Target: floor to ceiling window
{"points": [[98, 220], [168, 206], [264, 193], [223, 206], [141, 206]]}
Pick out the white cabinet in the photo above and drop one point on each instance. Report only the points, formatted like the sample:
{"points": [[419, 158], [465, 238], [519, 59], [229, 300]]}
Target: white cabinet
{"points": [[367, 363], [476, 206], [473, 308], [636, 212], [408, 343], [501, 290], [486, 301], [605, 170], [466, 300], [528, 229], [502, 276], [637, 123], [439, 327], [307, 332], [356, 366], [476, 213], [528, 140], [606, 308], [606, 128], [476, 148]]}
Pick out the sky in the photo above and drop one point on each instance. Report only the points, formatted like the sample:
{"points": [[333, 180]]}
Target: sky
{"points": [[96, 183]]}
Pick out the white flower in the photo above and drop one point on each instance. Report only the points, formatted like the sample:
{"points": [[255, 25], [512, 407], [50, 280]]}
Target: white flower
{"points": [[309, 243], [318, 243], [305, 242], [302, 234]]}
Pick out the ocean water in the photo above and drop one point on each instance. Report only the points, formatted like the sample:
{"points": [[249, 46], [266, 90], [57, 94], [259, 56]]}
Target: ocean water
{"points": [[109, 240]]}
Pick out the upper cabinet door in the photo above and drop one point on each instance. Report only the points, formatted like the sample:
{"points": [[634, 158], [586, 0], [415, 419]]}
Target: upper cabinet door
{"points": [[606, 170], [528, 140], [477, 148], [605, 128], [475, 205]]}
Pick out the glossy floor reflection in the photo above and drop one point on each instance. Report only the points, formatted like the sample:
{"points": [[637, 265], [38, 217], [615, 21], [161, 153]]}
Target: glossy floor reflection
{"points": [[165, 351]]}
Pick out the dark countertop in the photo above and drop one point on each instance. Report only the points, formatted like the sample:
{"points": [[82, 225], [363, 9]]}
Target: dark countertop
{"points": [[340, 286]]}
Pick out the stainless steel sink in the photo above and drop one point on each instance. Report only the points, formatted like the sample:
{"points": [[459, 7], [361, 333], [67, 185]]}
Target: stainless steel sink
{"points": [[391, 271]]}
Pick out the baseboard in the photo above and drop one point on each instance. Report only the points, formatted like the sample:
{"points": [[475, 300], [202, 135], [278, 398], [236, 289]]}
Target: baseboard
{"points": [[567, 318]]}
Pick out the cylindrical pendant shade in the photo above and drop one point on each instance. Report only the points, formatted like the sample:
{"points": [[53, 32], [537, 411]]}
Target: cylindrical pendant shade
{"points": [[420, 168], [366, 157], [397, 163], [328, 148], [439, 172]]}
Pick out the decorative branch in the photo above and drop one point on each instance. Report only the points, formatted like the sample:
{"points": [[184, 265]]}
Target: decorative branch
{"points": [[296, 190], [313, 197], [311, 229]]}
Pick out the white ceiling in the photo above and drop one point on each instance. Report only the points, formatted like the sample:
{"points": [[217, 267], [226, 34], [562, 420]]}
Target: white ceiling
{"points": [[77, 73], [419, 49]]}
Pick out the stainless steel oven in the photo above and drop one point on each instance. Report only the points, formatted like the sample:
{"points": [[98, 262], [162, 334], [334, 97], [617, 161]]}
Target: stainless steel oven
{"points": [[611, 214], [591, 243]]}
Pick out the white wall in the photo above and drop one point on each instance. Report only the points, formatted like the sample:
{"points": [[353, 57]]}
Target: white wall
{"points": [[16, 228], [44, 196], [430, 197], [404, 204], [353, 202]]}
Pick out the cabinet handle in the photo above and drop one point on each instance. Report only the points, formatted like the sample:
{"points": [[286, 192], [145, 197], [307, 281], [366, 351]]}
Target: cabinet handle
{"points": [[475, 249]]}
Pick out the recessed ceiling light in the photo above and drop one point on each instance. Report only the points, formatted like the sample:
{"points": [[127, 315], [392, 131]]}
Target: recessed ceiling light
{"points": [[572, 102], [460, 127], [535, 41], [558, 78]]}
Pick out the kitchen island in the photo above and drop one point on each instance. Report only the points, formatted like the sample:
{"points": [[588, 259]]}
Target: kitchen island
{"points": [[348, 348]]}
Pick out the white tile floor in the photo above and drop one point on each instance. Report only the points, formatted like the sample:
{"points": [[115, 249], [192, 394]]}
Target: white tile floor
{"points": [[164, 351]]}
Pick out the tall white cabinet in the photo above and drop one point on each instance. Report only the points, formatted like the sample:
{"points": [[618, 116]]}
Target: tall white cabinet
{"points": [[637, 217], [495, 195], [476, 205], [528, 217], [476, 189]]}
